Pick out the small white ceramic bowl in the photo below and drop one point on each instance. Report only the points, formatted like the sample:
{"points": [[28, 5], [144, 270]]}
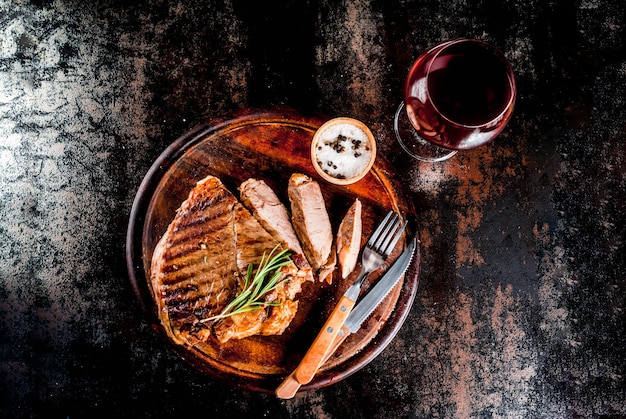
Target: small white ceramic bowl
{"points": [[343, 150]]}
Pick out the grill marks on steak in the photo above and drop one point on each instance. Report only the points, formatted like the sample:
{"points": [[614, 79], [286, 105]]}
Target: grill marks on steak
{"points": [[189, 280], [200, 264]]}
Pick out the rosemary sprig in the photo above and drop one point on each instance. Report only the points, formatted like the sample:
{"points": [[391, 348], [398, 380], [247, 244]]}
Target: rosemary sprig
{"points": [[257, 285]]}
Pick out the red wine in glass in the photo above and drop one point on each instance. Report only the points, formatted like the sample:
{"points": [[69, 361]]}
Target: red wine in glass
{"points": [[458, 95]]}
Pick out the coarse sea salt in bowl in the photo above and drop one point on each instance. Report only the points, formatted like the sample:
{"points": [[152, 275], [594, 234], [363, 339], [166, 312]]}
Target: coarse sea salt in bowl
{"points": [[343, 150]]}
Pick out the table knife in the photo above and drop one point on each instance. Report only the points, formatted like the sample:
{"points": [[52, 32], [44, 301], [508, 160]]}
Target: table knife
{"points": [[290, 385]]}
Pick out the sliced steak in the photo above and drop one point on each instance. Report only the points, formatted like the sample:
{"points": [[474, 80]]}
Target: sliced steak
{"points": [[200, 263], [272, 214], [310, 220], [349, 239]]}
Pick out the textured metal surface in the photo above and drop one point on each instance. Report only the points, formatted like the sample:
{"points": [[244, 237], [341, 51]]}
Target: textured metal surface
{"points": [[520, 311]]}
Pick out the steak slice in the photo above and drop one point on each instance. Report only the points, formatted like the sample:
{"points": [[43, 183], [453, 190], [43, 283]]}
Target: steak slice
{"points": [[310, 221], [349, 239], [272, 214], [200, 263]]}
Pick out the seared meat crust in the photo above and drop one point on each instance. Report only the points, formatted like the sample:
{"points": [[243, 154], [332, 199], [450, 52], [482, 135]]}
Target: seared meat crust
{"points": [[200, 263]]}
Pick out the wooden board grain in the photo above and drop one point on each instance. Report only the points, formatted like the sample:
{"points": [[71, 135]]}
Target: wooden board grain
{"points": [[271, 145]]}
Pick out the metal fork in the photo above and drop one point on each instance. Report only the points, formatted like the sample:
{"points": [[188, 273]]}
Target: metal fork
{"points": [[376, 250]]}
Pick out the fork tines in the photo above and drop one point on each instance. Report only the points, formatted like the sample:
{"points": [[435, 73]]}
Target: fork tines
{"points": [[387, 234]]}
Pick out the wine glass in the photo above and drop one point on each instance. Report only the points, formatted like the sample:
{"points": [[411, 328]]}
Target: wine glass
{"points": [[458, 95]]}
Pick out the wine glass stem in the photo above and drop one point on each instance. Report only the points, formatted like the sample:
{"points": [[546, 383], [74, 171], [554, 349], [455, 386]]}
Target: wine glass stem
{"points": [[429, 152]]}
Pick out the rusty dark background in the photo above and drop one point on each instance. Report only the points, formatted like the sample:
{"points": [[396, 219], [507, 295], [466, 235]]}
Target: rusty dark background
{"points": [[520, 309]]}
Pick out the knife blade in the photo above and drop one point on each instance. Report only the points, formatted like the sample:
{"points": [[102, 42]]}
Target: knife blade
{"points": [[377, 294], [362, 310]]}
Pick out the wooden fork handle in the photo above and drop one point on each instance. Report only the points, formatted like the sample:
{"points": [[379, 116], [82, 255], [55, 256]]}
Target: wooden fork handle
{"points": [[315, 356], [290, 385]]}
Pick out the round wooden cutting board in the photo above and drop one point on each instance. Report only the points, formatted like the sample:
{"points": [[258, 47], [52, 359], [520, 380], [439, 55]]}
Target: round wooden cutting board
{"points": [[270, 144]]}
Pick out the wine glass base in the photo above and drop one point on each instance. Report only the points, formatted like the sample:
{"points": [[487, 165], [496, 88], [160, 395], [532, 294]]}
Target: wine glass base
{"points": [[413, 144]]}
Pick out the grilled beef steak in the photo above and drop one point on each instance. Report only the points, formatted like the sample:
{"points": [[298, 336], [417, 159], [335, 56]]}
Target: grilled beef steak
{"points": [[200, 263]]}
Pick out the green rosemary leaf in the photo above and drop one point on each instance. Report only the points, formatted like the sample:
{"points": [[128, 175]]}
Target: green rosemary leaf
{"points": [[257, 285]]}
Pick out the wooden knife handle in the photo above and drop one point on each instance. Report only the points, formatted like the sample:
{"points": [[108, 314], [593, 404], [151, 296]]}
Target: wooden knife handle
{"points": [[290, 385], [314, 357]]}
